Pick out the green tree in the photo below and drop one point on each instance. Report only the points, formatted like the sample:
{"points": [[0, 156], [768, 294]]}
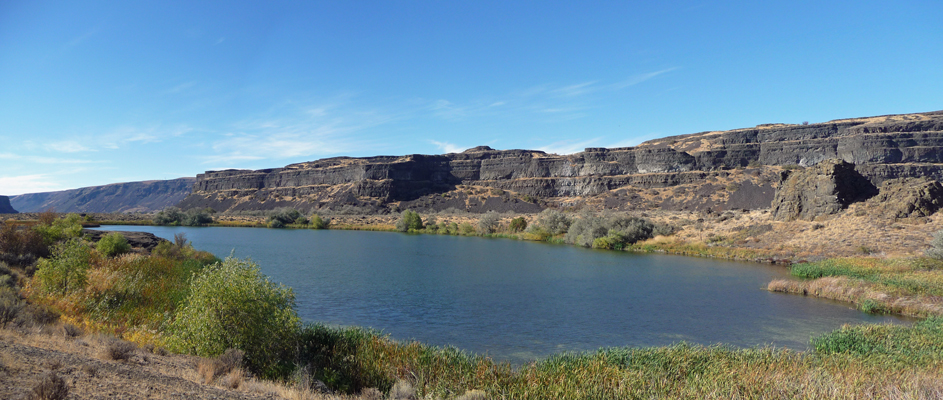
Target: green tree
{"points": [[518, 224], [67, 270], [232, 305], [113, 244], [60, 229], [409, 221]]}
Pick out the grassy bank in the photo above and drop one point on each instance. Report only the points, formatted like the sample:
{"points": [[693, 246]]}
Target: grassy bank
{"points": [[155, 299], [851, 363], [908, 286]]}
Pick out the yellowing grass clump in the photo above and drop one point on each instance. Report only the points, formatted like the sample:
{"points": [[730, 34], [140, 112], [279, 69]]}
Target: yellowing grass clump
{"points": [[910, 366], [131, 295], [910, 286]]}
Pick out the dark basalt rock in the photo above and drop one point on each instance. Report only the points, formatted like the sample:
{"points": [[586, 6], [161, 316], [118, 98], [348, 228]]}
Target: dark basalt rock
{"points": [[137, 240], [878, 148], [827, 188], [5, 207], [909, 197]]}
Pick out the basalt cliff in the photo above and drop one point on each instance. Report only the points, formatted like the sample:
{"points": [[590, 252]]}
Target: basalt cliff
{"points": [[736, 169]]}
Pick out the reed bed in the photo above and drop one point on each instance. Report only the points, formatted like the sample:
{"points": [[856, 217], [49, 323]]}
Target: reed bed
{"points": [[909, 286], [908, 365]]}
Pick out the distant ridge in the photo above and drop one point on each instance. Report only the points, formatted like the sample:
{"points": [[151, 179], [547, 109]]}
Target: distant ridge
{"points": [[146, 196]]}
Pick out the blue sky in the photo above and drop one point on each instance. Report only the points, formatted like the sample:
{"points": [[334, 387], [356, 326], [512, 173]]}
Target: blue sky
{"points": [[95, 92]]}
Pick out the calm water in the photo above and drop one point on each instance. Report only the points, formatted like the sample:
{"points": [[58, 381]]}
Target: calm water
{"points": [[519, 301]]}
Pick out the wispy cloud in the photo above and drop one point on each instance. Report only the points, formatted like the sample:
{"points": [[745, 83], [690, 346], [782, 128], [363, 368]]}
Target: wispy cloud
{"points": [[447, 147], [568, 146], [43, 160], [636, 79], [81, 38], [126, 135], [220, 40], [181, 87], [296, 131], [576, 90], [68, 146], [16, 185]]}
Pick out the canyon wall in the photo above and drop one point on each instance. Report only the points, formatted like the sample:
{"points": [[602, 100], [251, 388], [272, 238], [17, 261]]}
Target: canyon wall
{"points": [[880, 148]]}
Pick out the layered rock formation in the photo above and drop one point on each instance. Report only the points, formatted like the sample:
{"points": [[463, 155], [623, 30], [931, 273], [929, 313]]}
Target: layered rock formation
{"points": [[909, 197], [827, 188], [704, 171], [5, 207], [147, 196]]}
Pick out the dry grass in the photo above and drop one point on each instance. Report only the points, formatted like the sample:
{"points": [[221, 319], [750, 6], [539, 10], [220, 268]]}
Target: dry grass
{"points": [[118, 350], [227, 368], [51, 387], [866, 296]]}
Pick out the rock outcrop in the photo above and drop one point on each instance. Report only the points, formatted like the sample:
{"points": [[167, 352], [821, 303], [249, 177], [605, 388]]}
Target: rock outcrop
{"points": [[908, 197], [827, 188], [700, 169], [146, 196], [5, 207], [138, 240]]}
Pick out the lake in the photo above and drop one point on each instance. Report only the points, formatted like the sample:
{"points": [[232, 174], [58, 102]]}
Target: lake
{"points": [[519, 301]]}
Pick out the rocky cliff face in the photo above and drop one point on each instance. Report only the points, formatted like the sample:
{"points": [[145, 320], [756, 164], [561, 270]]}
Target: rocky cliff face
{"points": [[147, 196], [716, 170], [5, 207], [827, 188]]}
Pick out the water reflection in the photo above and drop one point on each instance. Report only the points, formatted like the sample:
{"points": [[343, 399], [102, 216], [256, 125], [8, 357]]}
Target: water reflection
{"points": [[520, 301]]}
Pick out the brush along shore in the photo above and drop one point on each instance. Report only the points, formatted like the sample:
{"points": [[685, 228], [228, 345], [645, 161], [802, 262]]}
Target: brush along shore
{"points": [[50, 308]]}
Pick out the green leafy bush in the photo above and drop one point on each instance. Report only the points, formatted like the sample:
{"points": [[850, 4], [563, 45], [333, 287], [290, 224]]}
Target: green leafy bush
{"points": [[553, 221], [518, 224], [615, 232], [232, 305], [59, 229], [21, 245], [409, 221], [67, 270], [316, 222], [113, 244], [176, 217], [282, 217]]}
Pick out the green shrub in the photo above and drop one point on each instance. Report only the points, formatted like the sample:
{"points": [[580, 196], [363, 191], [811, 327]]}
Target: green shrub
{"points": [[466, 229], [67, 270], [282, 217], [518, 224], [21, 245], [409, 221], [936, 246], [587, 229], [488, 223], [232, 305], [616, 232], [176, 217], [555, 222], [317, 222], [113, 244], [60, 229]]}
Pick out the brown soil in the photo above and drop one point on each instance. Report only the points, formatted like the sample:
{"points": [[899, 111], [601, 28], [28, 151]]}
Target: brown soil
{"points": [[26, 356]]}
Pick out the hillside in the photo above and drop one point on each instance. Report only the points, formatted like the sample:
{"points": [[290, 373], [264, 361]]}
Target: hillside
{"points": [[736, 169], [146, 196]]}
